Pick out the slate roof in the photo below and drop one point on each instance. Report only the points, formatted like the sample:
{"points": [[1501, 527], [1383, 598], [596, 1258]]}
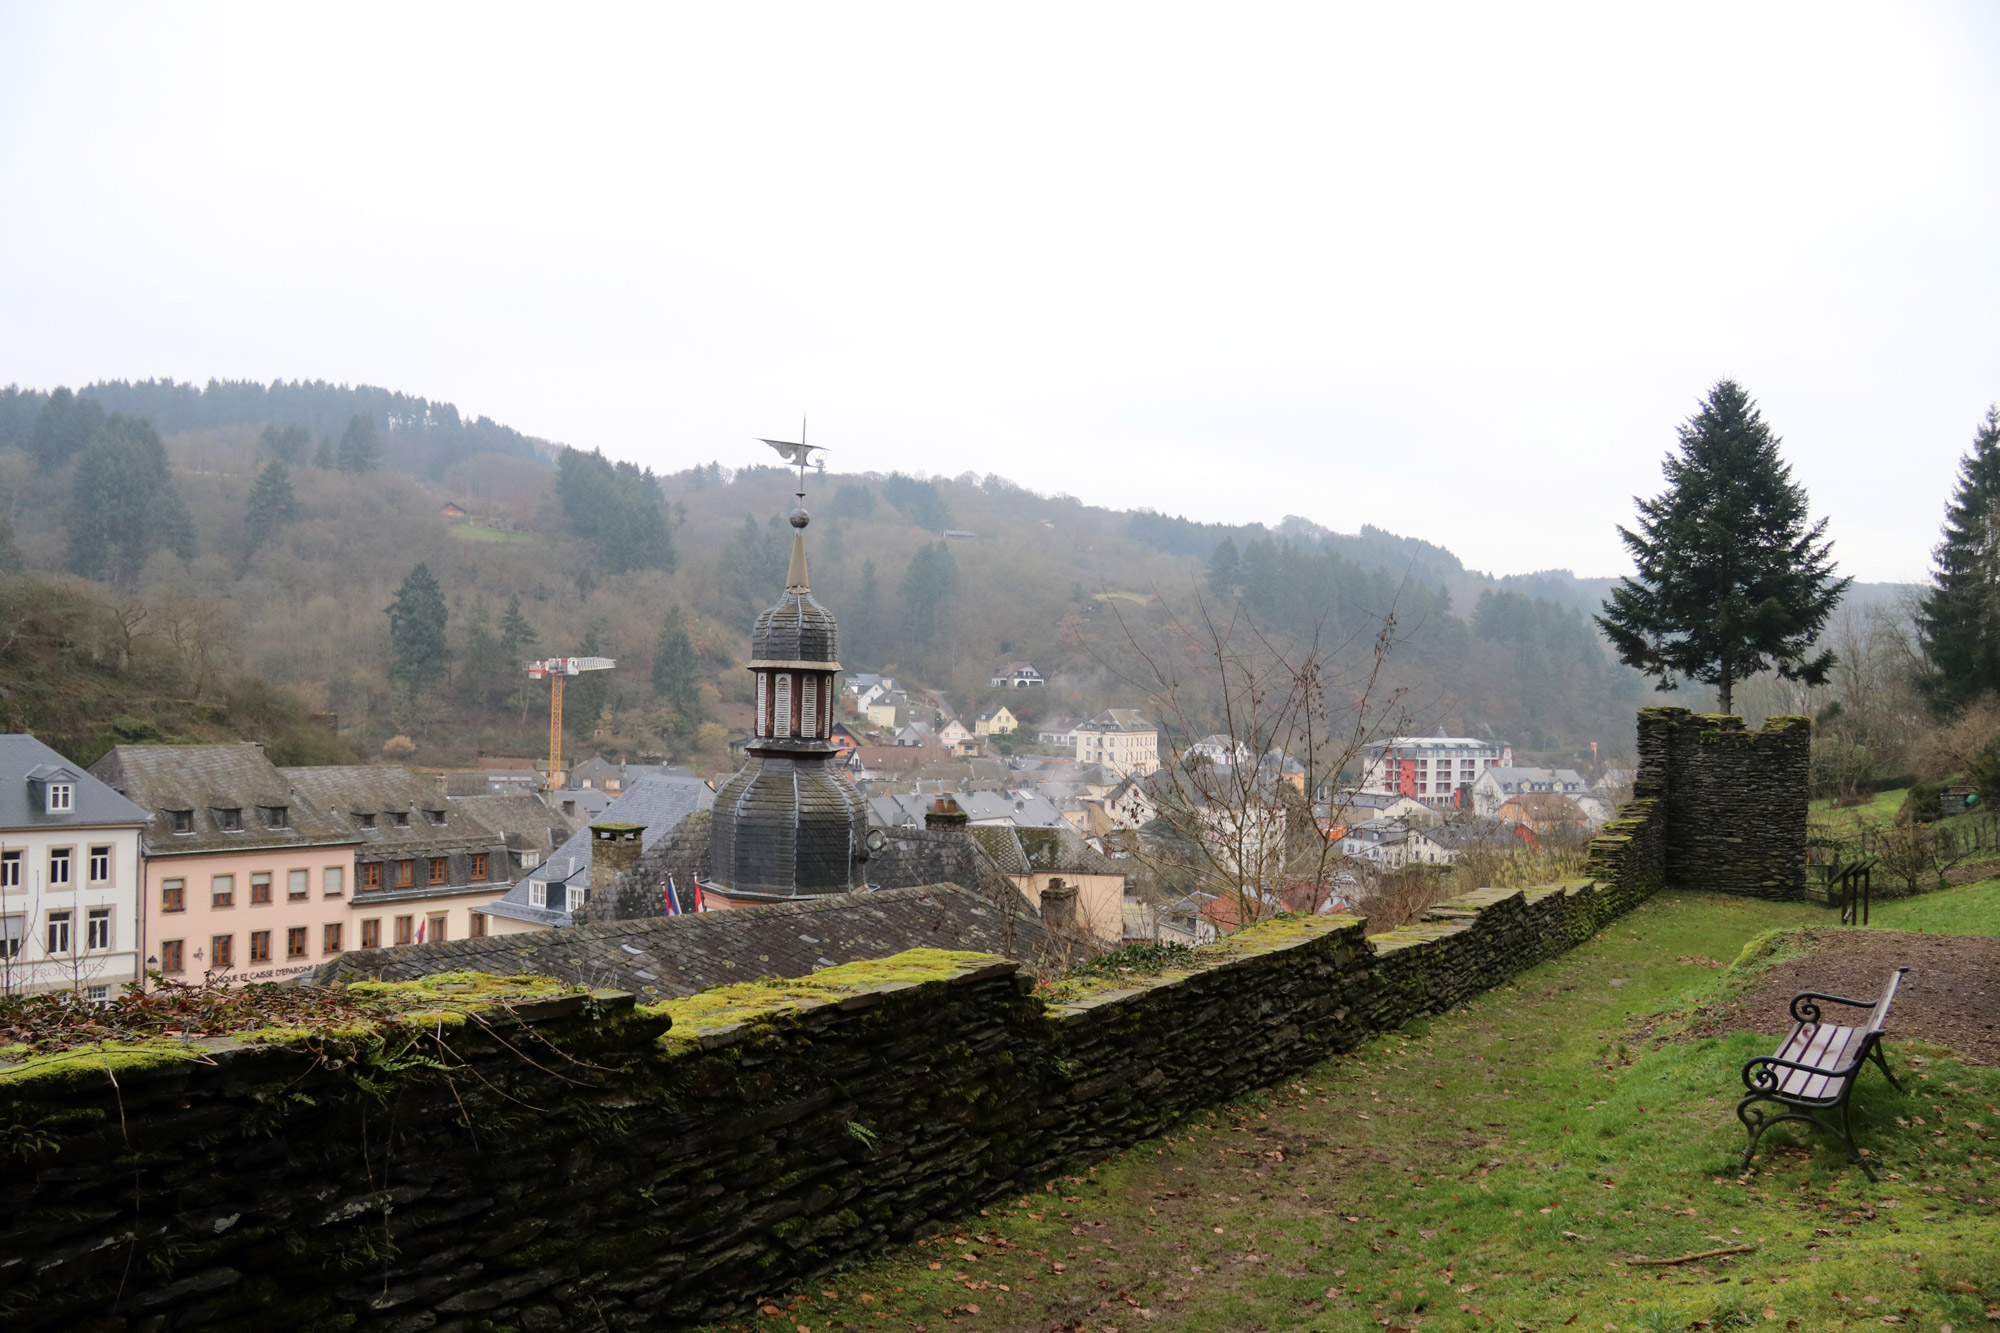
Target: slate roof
{"points": [[798, 628], [343, 791], [526, 821], [660, 804], [1063, 851], [680, 955], [202, 779], [96, 804], [1023, 809], [1475, 833], [1117, 719]]}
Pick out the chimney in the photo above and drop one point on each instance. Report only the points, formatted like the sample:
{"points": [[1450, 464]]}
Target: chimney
{"points": [[945, 814], [614, 849], [1059, 906]]}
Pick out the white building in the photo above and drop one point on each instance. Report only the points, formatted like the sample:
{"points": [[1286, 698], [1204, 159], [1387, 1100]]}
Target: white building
{"points": [[1222, 751], [1120, 740], [1430, 769], [69, 876], [1493, 786], [1017, 676]]}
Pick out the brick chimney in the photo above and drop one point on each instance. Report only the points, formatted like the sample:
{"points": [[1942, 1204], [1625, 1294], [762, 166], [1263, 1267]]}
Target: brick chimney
{"points": [[614, 849], [1059, 906], [945, 814]]}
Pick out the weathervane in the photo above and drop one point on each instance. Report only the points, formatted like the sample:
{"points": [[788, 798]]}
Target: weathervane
{"points": [[800, 453]]}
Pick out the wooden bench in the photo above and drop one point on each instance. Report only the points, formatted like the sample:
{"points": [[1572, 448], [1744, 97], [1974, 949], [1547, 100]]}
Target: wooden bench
{"points": [[1816, 1067]]}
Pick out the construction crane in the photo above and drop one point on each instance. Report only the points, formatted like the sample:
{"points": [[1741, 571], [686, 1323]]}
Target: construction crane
{"points": [[557, 669]]}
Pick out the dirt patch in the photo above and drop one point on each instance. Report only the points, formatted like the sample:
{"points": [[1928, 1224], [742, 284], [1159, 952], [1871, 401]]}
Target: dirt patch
{"points": [[1951, 995]]}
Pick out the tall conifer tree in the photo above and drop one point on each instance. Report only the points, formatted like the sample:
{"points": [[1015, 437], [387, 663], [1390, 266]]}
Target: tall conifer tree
{"points": [[419, 654], [1960, 616], [1733, 577], [271, 506]]}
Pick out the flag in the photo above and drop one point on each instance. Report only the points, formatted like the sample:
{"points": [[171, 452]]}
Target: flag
{"points": [[673, 902], [420, 930], [699, 904]]}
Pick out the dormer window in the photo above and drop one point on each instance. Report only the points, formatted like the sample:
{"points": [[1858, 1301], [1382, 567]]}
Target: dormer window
{"points": [[576, 895], [365, 821], [435, 816], [538, 894], [228, 818], [402, 818], [276, 816], [180, 821], [59, 798]]}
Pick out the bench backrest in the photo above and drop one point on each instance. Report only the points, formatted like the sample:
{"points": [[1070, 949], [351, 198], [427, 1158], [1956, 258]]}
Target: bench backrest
{"points": [[1878, 1017]]}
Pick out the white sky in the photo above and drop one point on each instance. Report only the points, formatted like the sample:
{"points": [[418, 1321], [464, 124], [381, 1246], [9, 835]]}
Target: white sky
{"points": [[1455, 271]]}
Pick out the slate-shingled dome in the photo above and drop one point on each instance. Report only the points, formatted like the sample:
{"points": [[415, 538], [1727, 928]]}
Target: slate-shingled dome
{"points": [[787, 825]]}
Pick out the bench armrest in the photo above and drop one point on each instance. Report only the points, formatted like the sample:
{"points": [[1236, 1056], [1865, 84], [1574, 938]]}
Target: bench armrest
{"points": [[1804, 1010], [1765, 1079]]}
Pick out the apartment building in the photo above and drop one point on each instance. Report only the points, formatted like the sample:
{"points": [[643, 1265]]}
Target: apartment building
{"points": [[1120, 740], [243, 881], [1431, 769], [69, 876]]}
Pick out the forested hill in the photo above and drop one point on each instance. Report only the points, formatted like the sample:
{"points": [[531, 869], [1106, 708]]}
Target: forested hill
{"points": [[281, 521]]}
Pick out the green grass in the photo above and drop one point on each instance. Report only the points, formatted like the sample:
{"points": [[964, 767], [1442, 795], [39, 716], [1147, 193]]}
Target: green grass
{"points": [[467, 532], [1881, 809], [1496, 1167], [1971, 910]]}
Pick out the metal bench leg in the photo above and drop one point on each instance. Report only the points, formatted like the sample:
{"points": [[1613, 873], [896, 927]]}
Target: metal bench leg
{"points": [[1756, 1122], [1875, 1054], [1853, 1150]]}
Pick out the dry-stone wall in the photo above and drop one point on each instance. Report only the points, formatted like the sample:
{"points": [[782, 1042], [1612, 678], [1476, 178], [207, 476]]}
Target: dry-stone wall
{"points": [[1735, 799], [578, 1165]]}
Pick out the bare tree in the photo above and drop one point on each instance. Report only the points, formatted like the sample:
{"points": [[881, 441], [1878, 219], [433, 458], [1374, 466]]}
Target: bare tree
{"points": [[1256, 733]]}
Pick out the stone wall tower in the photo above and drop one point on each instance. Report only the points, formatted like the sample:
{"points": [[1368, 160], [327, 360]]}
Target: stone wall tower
{"points": [[787, 826]]}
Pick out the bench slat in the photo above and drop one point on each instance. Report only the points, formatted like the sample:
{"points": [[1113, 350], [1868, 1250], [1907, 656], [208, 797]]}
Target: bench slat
{"points": [[1824, 1046]]}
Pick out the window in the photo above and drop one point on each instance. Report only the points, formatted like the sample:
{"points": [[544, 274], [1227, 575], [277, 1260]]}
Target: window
{"points": [[173, 956], [371, 933], [97, 994], [371, 874], [365, 821], [10, 936], [260, 887], [173, 895], [330, 938], [574, 898], [332, 882], [406, 874], [10, 870], [478, 866], [275, 816], [401, 818], [59, 932], [100, 865], [763, 703], [781, 707], [406, 929], [478, 925], [222, 891], [440, 869], [221, 953], [97, 928], [808, 706], [180, 821], [61, 798], [435, 816], [59, 859], [538, 894], [295, 942], [434, 930], [298, 885], [228, 818], [260, 946]]}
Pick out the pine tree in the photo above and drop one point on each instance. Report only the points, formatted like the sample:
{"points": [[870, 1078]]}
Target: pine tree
{"points": [[482, 676], [419, 654], [928, 586], [360, 449], [324, 457], [587, 693], [288, 443], [864, 626], [123, 505], [676, 668], [1733, 577], [1959, 620], [63, 429], [517, 636], [11, 561], [1225, 570], [271, 506]]}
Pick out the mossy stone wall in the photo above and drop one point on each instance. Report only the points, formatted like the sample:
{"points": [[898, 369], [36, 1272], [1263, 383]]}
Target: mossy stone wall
{"points": [[1734, 799]]}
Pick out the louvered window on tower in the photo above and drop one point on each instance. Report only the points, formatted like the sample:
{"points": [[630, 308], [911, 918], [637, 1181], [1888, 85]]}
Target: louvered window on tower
{"points": [[808, 707], [763, 703], [781, 722]]}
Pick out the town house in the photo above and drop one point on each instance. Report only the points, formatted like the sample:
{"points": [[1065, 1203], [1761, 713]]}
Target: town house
{"points": [[242, 881], [1121, 740], [69, 876]]}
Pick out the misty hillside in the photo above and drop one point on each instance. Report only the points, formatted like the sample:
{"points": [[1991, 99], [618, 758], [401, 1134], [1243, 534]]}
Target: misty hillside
{"points": [[598, 556]]}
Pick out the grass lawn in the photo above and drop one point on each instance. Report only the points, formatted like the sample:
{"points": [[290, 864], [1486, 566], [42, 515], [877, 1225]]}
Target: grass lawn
{"points": [[467, 532], [1881, 809], [1971, 910], [1497, 1167]]}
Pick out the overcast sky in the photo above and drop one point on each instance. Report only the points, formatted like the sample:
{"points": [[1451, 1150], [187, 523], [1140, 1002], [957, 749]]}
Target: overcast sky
{"points": [[1454, 271]]}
